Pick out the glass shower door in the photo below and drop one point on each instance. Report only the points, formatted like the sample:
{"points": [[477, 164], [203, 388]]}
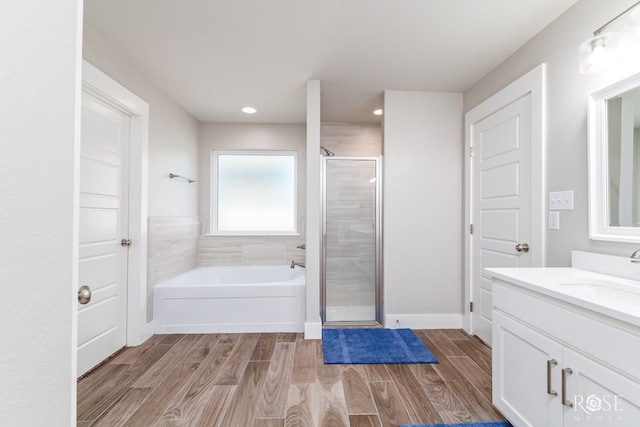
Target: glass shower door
{"points": [[351, 243]]}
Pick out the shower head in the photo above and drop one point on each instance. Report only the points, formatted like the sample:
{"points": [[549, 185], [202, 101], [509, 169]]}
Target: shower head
{"points": [[327, 152]]}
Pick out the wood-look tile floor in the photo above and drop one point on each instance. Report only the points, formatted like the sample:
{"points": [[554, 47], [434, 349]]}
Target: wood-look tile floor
{"points": [[265, 380]]}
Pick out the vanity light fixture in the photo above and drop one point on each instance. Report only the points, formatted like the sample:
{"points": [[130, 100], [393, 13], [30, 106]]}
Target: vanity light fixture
{"points": [[249, 110], [378, 112], [605, 49]]}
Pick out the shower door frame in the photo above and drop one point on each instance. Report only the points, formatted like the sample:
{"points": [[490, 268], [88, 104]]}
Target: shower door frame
{"points": [[378, 245]]}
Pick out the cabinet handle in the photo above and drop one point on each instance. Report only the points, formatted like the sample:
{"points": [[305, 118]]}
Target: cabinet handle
{"points": [[550, 364], [566, 402]]}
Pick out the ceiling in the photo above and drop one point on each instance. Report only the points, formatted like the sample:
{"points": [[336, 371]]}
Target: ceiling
{"points": [[214, 57]]}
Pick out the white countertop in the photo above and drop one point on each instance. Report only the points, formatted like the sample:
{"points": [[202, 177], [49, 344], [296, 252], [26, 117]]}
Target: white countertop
{"points": [[609, 295]]}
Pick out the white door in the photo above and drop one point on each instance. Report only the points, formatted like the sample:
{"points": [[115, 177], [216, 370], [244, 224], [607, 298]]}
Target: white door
{"points": [[103, 224], [501, 202]]}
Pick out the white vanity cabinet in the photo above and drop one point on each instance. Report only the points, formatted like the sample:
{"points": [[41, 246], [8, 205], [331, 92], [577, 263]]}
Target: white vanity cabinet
{"points": [[557, 363]]}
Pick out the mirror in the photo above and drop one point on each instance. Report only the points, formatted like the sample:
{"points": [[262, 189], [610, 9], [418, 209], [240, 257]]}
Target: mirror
{"points": [[623, 141], [614, 162]]}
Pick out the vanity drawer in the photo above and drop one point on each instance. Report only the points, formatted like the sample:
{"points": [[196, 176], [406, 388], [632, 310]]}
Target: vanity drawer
{"points": [[589, 332]]}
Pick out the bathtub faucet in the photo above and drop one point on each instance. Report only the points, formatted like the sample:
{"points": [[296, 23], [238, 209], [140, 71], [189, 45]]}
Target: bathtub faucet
{"points": [[299, 264]]}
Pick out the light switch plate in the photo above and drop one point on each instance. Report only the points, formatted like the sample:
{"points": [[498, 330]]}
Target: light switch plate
{"points": [[561, 200], [554, 220]]}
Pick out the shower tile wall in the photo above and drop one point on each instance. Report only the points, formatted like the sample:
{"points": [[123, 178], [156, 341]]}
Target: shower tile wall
{"points": [[352, 139], [250, 250], [173, 249]]}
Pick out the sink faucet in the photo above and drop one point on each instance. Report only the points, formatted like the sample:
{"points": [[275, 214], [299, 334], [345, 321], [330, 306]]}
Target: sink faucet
{"points": [[299, 264], [635, 257]]}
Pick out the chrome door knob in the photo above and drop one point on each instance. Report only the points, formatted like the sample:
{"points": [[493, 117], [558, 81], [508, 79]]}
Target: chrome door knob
{"points": [[522, 247], [125, 242], [84, 294]]}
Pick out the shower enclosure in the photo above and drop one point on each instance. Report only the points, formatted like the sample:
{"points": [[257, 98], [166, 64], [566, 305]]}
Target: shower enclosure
{"points": [[351, 278]]}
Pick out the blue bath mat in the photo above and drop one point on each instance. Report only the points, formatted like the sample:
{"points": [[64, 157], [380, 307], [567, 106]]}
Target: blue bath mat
{"points": [[490, 424], [373, 346]]}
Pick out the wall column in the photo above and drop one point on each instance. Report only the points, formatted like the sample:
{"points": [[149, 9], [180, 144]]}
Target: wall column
{"points": [[313, 325]]}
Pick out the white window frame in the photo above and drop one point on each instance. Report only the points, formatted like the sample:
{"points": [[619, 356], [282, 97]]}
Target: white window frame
{"points": [[213, 179]]}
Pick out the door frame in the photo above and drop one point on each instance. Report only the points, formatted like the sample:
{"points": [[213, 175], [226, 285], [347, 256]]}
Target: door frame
{"points": [[533, 83], [111, 92]]}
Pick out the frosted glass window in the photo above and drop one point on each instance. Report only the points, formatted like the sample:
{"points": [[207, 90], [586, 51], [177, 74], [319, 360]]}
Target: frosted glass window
{"points": [[254, 193]]}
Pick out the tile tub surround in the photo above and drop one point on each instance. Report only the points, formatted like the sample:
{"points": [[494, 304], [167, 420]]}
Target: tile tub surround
{"points": [[250, 250], [173, 249]]}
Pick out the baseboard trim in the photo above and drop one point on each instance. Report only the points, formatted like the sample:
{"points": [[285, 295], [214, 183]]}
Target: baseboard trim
{"points": [[424, 321], [312, 330], [227, 328]]}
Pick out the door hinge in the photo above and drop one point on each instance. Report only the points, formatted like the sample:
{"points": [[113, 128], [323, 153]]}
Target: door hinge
{"points": [[470, 151], [470, 306], [470, 228]]}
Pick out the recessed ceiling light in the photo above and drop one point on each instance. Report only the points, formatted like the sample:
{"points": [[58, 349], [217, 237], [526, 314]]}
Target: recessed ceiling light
{"points": [[249, 110], [378, 112]]}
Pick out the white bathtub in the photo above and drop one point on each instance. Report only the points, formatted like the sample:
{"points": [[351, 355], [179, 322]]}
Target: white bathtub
{"points": [[231, 299]]}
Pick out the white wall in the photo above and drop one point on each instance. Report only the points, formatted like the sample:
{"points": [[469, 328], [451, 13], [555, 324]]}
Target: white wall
{"points": [[39, 135], [173, 133], [557, 45], [245, 136], [422, 209]]}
